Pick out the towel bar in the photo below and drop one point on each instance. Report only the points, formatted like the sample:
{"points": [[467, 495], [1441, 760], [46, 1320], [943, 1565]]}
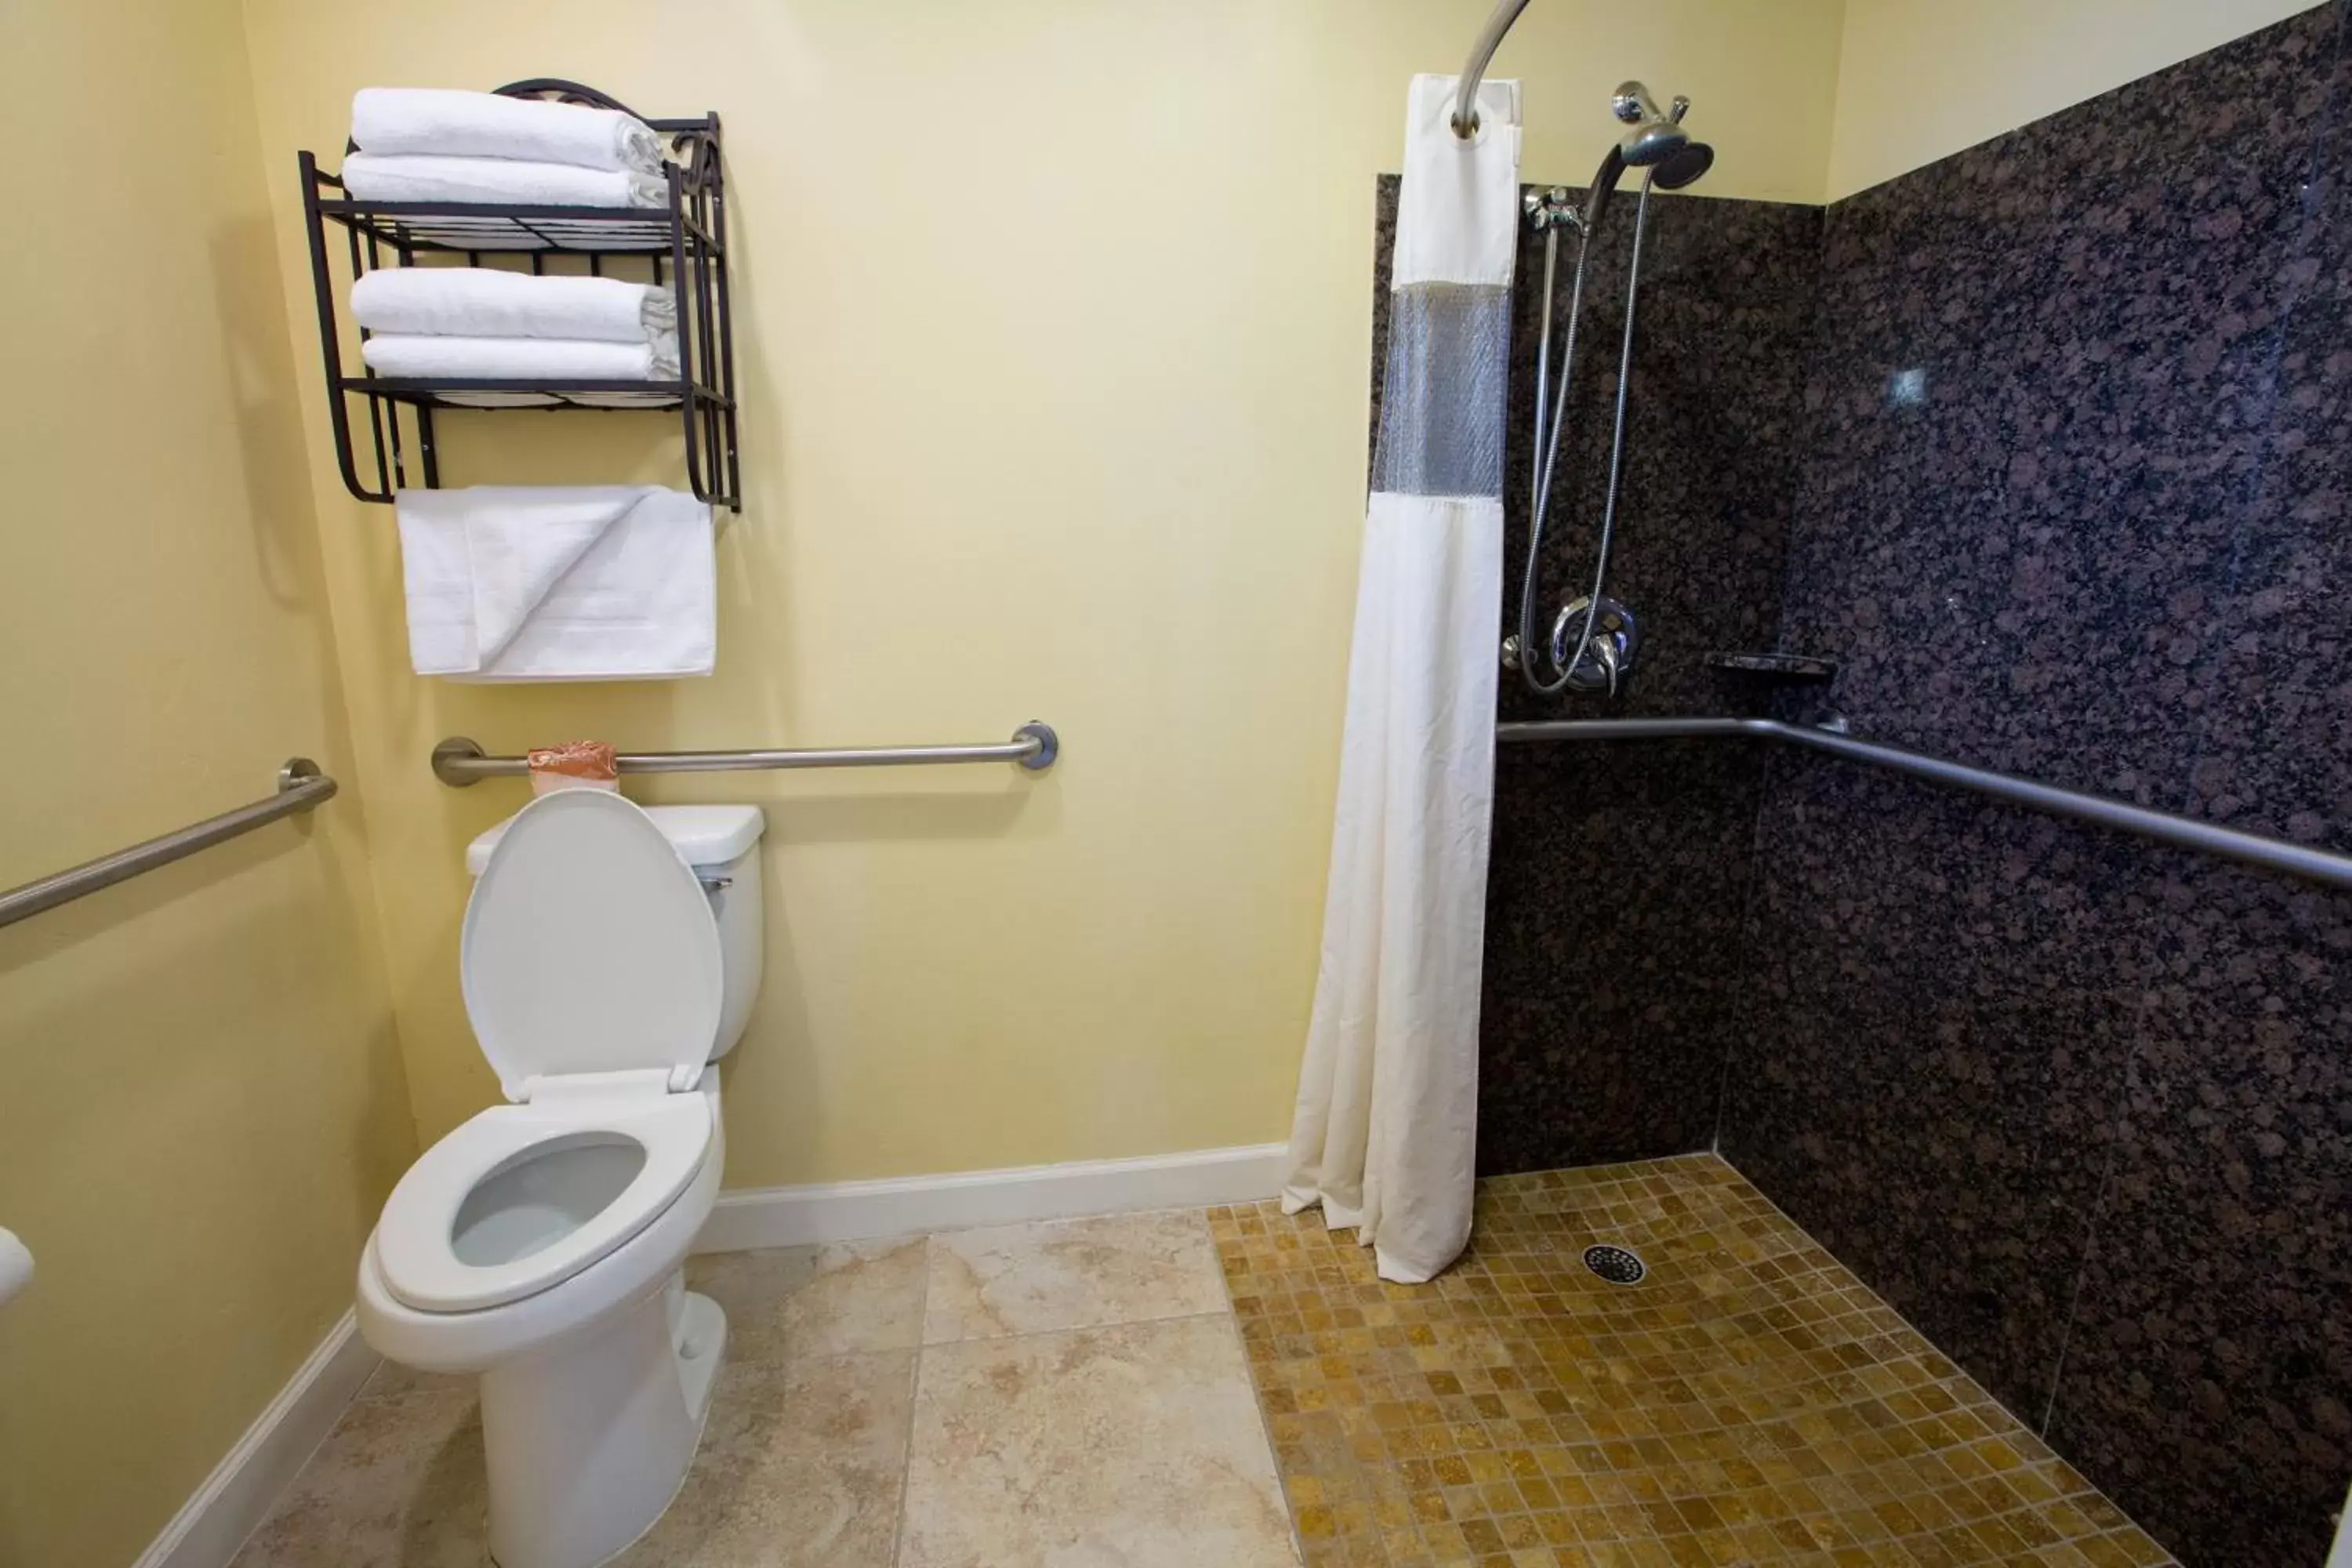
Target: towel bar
{"points": [[458, 762], [301, 787]]}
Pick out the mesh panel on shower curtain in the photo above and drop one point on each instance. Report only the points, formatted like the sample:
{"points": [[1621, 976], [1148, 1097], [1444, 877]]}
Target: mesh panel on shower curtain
{"points": [[1385, 1134]]}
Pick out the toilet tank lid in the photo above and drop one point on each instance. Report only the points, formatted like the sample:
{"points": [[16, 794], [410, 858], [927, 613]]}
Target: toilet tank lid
{"points": [[704, 834]]}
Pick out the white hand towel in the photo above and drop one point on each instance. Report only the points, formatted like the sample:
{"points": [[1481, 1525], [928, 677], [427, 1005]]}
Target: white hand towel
{"points": [[450, 123], [481, 303], [522, 359], [417, 177], [590, 583]]}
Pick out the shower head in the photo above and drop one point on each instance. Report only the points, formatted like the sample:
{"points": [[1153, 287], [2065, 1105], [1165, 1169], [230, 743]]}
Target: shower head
{"points": [[1657, 143], [1652, 142], [1683, 166]]}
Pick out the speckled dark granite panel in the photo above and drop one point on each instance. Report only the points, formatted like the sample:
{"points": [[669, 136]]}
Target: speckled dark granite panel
{"points": [[1617, 883], [2208, 1378], [2093, 303], [1946, 992], [2209, 1369], [2077, 1105], [2273, 758], [1620, 873], [1711, 447]]}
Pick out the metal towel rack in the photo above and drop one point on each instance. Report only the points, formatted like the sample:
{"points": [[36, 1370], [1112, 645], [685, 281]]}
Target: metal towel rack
{"points": [[2187, 833], [301, 787], [458, 762]]}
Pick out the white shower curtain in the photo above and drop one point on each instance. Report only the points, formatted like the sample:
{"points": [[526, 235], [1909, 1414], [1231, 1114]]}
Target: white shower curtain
{"points": [[1385, 1135]]}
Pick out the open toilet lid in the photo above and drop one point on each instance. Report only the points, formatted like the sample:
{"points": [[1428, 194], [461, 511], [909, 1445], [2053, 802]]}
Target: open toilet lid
{"points": [[589, 946]]}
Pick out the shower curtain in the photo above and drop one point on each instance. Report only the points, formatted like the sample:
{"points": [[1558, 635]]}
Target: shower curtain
{"points": [[1385, 1134]]}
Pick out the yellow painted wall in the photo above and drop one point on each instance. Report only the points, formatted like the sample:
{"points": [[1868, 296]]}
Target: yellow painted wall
{"points": [[1055, 317], [1920, 80], [201, 1100]]}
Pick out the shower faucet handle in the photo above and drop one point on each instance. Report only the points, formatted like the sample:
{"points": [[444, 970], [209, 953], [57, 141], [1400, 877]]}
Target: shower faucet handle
{"points": [[1604, 649], [1608, 655]]}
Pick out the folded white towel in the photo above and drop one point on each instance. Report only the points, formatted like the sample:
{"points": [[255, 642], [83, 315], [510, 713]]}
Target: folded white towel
{"points": [[454, 124], [481, 303], [527, 582], [419, 177], [522, 359]]}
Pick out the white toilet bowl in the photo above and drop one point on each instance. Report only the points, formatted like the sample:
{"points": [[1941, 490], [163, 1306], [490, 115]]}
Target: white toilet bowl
{"points": [[540, 1246], [594, 1385]]}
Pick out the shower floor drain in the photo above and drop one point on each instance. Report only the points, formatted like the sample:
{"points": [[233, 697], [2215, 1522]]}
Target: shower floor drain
{"points": [[1615, 1264]]}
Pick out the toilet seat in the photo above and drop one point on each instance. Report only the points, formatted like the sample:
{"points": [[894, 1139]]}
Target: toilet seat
{"points": [[417, 1240], [590, 947], [594, 979]]}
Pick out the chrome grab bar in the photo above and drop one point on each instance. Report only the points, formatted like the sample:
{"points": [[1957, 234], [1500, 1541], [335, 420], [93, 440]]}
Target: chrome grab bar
{"points": [[2182, 832], [458, 762], [301, 787]]}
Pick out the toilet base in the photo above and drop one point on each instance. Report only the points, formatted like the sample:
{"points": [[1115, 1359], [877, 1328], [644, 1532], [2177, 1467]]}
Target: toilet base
{"points": [[587, 1445]]}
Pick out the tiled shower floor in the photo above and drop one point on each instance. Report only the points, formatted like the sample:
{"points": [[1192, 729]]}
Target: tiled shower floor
{"points": [[1080, 1394], [1749, 1401]]}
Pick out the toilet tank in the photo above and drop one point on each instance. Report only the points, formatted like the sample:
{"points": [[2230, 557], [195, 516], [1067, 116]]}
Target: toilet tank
{"points": [[722, 844]]}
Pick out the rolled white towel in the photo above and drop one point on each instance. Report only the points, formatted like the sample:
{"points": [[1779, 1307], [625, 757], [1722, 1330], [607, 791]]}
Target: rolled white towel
{"points": [[446, 122], [482, 302], [521, 358], [416, 177]]}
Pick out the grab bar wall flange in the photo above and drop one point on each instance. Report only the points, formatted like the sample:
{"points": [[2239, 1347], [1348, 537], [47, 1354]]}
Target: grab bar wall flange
{"points": [[301, 787], [460, 762], [2321, 865]]}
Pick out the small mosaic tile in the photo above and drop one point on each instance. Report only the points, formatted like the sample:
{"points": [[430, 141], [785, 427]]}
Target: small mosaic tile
{"points": [[1748, 1401]]}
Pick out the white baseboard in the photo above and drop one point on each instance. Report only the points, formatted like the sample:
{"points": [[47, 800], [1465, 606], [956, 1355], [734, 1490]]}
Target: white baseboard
{"points": [[907, 1205], [237, 1495]]}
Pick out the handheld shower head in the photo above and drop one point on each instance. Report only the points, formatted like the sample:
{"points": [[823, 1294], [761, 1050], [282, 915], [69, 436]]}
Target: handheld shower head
{"points": [[1651, 142], [1604, 182], [1657, 143], [1683, 166]]}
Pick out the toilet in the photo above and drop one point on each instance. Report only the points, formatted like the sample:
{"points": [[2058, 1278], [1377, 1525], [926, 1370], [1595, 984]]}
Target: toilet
{"points": [[610, 957]]}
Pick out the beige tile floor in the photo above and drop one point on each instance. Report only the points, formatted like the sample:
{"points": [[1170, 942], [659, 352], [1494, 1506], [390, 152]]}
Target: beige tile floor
{"points": [[1054, 1395], [1123, 1392]]}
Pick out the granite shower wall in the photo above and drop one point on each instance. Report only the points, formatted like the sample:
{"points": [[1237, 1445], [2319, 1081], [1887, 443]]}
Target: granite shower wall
{"points": [[1619, 874], [2080, 1107]]}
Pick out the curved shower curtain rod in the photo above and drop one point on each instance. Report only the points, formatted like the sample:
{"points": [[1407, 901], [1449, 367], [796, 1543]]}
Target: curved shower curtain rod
{"points": [[1473, 70]]}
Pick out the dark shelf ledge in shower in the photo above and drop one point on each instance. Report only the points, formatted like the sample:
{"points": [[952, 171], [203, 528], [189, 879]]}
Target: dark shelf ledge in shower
{"points": [[1791, 667]]}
